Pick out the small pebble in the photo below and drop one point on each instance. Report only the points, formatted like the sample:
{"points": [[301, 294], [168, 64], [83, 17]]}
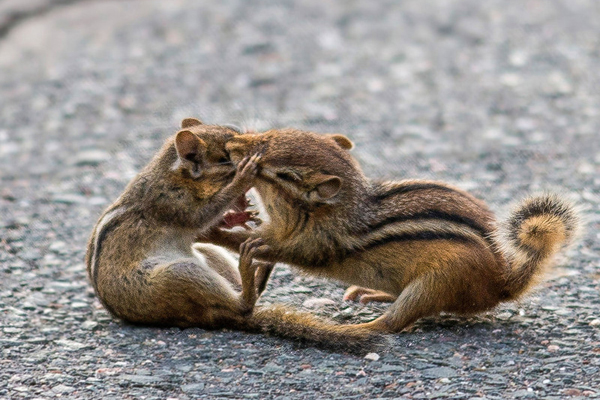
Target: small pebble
{"points": [[317, 302], [89, 325], [504, 316], [372, 356]]}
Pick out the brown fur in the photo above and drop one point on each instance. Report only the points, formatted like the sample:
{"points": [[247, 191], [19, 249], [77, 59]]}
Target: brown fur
{"points": [[431, 246], [144, 263]]}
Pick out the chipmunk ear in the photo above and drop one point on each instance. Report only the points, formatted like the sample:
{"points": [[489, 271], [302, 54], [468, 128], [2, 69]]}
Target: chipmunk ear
{"points": [[342, 141], [190, 147], [326, 187], [187, 122]]}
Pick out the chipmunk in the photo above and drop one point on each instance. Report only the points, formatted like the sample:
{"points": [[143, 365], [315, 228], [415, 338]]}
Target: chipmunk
{"points": [[146, 267], [427, 246]]}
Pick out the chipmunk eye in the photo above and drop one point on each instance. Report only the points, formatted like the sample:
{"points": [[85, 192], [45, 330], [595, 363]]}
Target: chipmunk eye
{"points": [[225, 159], [287, 176]]}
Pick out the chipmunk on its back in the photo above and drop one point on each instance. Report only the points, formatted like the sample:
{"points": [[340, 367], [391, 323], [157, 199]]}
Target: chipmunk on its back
{"points": [[140, 258], [425, 245], [146, 266]]}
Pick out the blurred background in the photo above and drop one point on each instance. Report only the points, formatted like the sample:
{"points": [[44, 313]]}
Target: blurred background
{"points": [[448, 82]]}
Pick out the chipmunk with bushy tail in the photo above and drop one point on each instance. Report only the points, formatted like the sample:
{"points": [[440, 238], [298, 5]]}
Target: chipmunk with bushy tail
{"points": [[426, 246], [145, 264]]}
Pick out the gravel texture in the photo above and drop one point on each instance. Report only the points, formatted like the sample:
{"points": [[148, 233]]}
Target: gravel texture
{"points": [[501, 97]]}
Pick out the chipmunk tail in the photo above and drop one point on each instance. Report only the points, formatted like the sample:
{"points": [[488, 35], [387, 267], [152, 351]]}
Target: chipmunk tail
{"points": [[289, 323], [536, 230]]}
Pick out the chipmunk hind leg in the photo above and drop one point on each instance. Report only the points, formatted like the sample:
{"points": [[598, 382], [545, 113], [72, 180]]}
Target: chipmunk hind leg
{"points": [[462, 288], [191, 293], [419, 299], [223, 262], [220, 260]]}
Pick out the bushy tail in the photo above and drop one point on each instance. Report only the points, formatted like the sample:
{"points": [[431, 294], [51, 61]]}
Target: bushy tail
{"points": [[535, 231], [287, 322]]}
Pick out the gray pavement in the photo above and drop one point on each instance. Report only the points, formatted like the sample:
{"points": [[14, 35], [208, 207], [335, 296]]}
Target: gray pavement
{"points": [[501, 97]]}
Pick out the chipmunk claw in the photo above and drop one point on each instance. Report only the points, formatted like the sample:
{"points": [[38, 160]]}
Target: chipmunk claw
{"points": [[246, 171], [248, 250], [262, 250]]}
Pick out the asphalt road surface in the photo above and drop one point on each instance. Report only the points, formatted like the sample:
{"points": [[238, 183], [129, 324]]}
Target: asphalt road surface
{"points": [[501, 97]]}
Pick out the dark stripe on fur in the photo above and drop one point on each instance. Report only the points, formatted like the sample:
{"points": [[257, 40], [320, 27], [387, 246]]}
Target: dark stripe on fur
{"points": [[407, 237], [407, 188], [433, 214], [305, 217], [101, 237]]}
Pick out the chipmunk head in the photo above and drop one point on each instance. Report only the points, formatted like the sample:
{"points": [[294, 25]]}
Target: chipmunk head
{"points": [[201, 151], [300, 166]]}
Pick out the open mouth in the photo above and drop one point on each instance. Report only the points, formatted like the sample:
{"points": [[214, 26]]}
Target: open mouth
{"points": [[239, 215]]}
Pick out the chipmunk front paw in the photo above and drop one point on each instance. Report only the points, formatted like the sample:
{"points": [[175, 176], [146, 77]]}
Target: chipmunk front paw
{"points": [[246, 172], [248, 251]]}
